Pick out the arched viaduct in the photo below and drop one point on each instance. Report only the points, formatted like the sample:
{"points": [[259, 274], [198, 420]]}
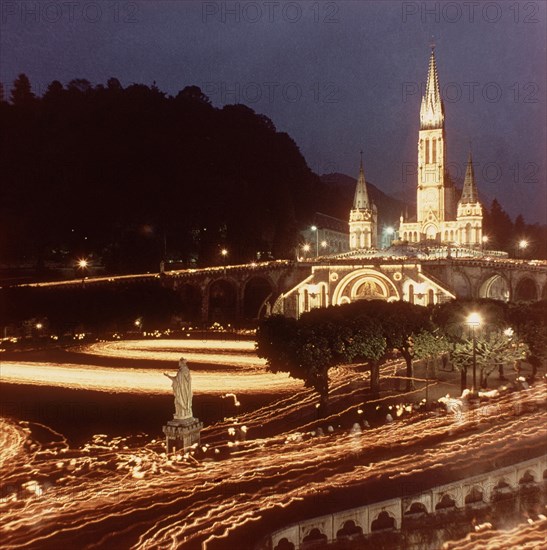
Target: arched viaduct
{"points": [[247, 292], [251, 291]]}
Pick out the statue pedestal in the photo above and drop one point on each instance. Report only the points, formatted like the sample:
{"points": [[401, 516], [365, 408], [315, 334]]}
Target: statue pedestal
{"points": [[182, 434]]}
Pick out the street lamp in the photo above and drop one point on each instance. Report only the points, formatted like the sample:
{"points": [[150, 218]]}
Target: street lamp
{"points": [[82, 264], [523, 244], [306, 248], [224, 254], [315, 229], [484, 241], [324, 245], [474, 320]]}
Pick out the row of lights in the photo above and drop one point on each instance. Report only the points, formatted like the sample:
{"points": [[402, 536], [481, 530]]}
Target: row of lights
{"points": [[83, 264]]}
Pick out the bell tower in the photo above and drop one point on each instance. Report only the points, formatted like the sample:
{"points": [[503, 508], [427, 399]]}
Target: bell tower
{"points": [[469, 210], [435, 196]]}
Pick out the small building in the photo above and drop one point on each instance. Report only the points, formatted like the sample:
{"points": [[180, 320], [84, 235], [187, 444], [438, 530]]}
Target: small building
{"points": [[327, 236]]}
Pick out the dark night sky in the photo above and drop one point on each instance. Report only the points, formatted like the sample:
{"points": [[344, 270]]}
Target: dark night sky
{"points": [[330, 74]]}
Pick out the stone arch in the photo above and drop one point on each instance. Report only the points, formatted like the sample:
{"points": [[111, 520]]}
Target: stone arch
{"points": [[525, 290], [284, 544], [462, 285], [364, 284], [416, 509], [446, 503], [257, 294], [430, 231], [495, 286], [222, 300], [527, 478], [314, 537], [349, 531], [192, 301], [501, 490], [384, 520], [474, 496]]}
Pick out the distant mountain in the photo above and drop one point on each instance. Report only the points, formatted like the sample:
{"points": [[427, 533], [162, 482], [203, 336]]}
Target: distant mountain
{"points": [[338, 195]]}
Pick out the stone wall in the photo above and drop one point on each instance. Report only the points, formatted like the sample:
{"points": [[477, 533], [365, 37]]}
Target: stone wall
{"points": [[458, 498]]}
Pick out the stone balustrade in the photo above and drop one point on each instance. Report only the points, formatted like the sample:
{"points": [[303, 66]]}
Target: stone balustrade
{"points": [[476, 491]]}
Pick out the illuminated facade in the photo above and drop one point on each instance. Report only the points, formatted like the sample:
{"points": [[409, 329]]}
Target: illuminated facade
{"points": [[363, 219], [439, 218]]}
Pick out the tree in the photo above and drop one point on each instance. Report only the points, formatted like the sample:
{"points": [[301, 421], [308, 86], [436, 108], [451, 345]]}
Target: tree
{"points": [[308, 348], [80, 85], [360, 339], [498, 224], [21, 93], [114, 85], [491, 350], [193, 93], [529, 322], [429, 346], [399, 321]]}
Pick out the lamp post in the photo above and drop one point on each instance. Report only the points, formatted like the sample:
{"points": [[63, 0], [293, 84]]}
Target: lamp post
{"points": [[82, 264], [224, 254], [484, 241], [306, 249], [315, 229], [324, 245], [523, 244], [474, 320]]}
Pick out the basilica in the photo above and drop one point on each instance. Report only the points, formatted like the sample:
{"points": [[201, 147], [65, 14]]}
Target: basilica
{"points": [[440, 219]]}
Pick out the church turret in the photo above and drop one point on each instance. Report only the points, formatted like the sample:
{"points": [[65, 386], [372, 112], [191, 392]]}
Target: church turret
{"points": [[469, 210], [469, 193], [360, 200], [363, 216]]}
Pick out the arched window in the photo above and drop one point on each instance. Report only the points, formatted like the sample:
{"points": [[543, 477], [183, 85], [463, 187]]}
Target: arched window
{"points": [[427, 151], [411, 293], [306, 300], [468, 233], [434, 152], [430, 296]]}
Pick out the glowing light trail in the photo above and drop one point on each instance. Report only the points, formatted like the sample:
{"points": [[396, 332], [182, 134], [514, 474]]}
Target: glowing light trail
{"points": [[118, 493], [215, 352], [138, 380]]}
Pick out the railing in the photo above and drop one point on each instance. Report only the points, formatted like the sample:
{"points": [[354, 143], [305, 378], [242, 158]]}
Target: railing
{"points": [[476, 491]]}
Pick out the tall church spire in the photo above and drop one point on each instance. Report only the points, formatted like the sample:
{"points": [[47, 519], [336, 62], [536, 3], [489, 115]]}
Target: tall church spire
{"points": [[432, 109], [470, 194], [360, 200]]}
